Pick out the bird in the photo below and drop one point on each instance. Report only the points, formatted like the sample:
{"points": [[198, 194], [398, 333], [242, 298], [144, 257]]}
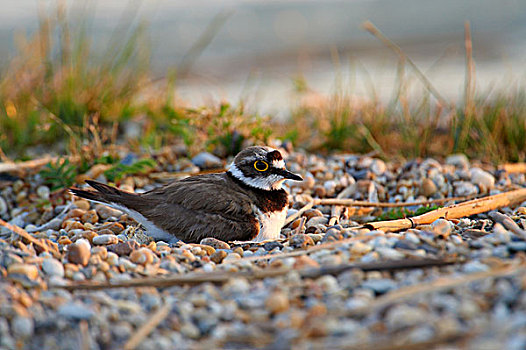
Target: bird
{"points": [[245, 203]]}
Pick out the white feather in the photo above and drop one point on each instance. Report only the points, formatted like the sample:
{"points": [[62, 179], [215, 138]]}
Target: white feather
{"points": [[270, 224], [268, 183]]}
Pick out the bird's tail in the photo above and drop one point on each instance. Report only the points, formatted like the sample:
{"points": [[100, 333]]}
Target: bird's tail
{"points": [[103, 194]]}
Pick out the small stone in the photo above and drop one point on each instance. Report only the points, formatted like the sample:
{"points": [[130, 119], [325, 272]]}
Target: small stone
{"points": [[474, 266], [428, 187], [90, 216], [205, 160], [43, 192], [75, 311], [231, 257], [3, 206], [464, 188], [215, 243], [123, 248], [300, 240], [106, 212], [82, 204], [105, 239], [218, 256], [30, 271], [79, 252], [401, 316], [22, 326], [269, 246], [379, 286], [142, 256], [442, 227], [277, 302], [189, 330], [389, 253], [53, 267], [360, 248], [378, 167], [517, 246], [458, 160], [483, 179]]}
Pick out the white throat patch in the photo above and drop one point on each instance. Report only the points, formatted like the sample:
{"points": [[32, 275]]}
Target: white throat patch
{"points": [[268, 183]]}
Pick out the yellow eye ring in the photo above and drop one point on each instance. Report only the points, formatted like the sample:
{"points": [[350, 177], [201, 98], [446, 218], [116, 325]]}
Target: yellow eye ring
{"points": [[260, 165]]}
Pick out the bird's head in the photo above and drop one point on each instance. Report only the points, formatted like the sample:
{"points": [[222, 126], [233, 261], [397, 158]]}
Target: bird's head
{"points": [[261, 167]]}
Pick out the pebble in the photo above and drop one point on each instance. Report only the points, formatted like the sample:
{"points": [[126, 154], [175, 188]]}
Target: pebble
{"points": [[483, 179], [442, 228], [218, 256], [123, 248], [277, 302], [105, 239], [30, 271], [3, 206], [75, 311], [43, 192], [428, 187], [106, 212], [300, 240], [401, 316], [53, 267], [205, 160], [22, 326], [215, 243], [79, 252], [142, 256], [458, 160], [379, 286]]}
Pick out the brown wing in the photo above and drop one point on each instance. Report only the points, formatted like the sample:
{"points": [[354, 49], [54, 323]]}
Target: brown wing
{"points": [[199, 207]]}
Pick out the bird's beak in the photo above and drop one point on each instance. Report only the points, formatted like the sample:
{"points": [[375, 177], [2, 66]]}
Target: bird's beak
{"points": [[288, 175]]}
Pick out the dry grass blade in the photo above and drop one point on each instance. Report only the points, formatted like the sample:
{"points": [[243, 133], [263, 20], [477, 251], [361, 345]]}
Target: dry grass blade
{"points": [[223, 277], [371, 28], [476, 206], [143, 331], [438, 285], [31, 164], [24, 234]]}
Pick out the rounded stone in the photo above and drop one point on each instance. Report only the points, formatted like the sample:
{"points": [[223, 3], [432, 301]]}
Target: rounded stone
{"points": [[428, 187], [30, 271], [53, 267], [22, 326], [43, 192], [215, 243], [142, 256], [3, 206], [79, 252], [277, 302], [105, 239]]}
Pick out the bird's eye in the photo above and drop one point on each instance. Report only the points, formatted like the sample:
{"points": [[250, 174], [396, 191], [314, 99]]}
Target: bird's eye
{"points": [[260, 165]]}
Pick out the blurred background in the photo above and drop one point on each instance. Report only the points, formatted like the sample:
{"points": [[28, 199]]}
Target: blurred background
{"points": [[227, 50], [421, 78]]}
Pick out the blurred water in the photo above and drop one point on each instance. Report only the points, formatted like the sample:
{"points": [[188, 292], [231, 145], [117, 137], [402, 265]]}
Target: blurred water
{"points": [[258, 47]]}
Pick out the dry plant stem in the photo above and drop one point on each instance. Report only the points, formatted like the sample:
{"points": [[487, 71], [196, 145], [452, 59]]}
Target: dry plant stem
{"points": [[508, 223], [355, 203], [215, 277], [24, 234], [476, 206], [371, 28], [156, 318], [470, 70], [513, 167], [438, 285], [32, 164], [298, 213]]}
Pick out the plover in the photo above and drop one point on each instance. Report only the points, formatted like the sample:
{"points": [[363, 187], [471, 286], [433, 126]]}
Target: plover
{"points": [[247, 202]]}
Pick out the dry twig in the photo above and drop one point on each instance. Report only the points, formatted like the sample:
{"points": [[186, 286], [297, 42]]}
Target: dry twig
{"points": [[23, 233], [223, 277], [355, 203], [476, 206], [143, 331]]}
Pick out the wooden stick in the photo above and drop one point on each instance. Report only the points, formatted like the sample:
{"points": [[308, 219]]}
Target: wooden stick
{"points": [[355, 203], [156, 318], [23, 233], [438, 285], [476, 206], [223, 277], [514, 167]]}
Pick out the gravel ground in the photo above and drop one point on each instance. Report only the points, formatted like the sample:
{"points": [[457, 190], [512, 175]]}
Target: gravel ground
{"points": [[286, 293]]}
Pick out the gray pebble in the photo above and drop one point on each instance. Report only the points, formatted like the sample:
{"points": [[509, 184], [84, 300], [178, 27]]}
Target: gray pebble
{"points": [[3, 206], [22, 327], [401, 316], [205, 160], [105, 239], [517, 246], [474, 266], [380, 286], [53, 267], [75, 311]]}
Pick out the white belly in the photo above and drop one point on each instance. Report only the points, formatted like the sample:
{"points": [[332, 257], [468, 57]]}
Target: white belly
{"points": [[270, 225]]}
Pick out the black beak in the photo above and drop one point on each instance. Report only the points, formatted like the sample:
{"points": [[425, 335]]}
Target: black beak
{"points": [[288, 175]]}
